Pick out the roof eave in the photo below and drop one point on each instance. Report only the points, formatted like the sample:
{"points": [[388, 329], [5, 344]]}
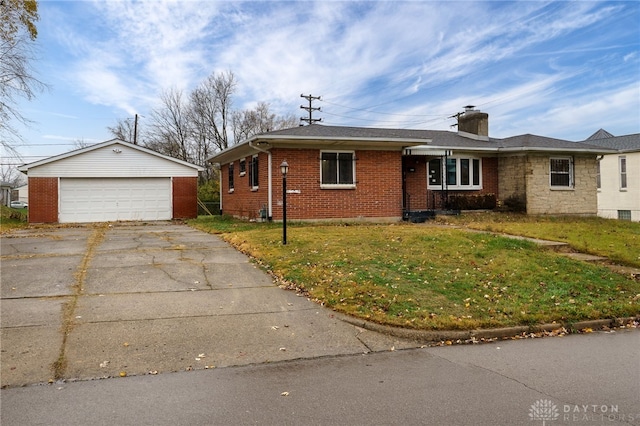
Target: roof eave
{"points": [[25, 167], [594, 151], [275, 141]]}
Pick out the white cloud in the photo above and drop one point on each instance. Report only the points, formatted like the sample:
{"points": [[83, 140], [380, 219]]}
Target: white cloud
{"points": [[419, 60]]}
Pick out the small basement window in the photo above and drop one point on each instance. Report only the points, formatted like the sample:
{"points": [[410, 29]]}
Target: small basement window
{"points": [[624, 214]]}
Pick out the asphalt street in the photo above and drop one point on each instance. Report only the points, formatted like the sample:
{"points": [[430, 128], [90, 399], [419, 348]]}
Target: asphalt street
{"points": [[588, 379]]}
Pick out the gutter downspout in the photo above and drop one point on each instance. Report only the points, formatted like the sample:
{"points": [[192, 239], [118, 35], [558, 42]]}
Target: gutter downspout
{"points": [[269, 173], [218, 168]]}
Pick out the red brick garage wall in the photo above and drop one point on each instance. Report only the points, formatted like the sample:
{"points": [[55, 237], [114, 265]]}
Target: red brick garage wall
{"points": [[185, 197], [43, 200]]}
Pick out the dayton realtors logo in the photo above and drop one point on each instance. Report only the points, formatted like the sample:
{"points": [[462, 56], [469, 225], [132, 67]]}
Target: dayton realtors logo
{"points": [[545, 410]]}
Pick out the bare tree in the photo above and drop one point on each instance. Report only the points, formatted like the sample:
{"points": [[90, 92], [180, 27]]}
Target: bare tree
{"points": [[18, 33], [248, 123], [123, 130], [211, 109], [170, 130], [80, 143]]}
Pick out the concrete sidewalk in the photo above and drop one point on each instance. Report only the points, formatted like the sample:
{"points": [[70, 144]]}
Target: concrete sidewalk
{"points": [[106, 300]]}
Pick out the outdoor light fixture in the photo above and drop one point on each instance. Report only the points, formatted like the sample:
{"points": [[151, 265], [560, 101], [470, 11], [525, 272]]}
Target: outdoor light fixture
{"points": [[284, 168]]}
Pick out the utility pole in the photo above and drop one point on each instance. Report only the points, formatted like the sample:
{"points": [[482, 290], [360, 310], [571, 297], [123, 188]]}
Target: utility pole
{"points": [[310, 109], [135, 130]]}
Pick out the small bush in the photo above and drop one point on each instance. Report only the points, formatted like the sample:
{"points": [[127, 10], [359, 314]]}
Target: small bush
{"points": [[472, 202], [516, 203]]}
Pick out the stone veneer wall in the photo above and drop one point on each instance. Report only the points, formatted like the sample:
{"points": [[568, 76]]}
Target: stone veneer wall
{"points": [[512, 183], [579, 200]]}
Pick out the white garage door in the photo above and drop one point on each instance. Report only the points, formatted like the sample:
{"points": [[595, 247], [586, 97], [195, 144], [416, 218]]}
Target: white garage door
{"points": [[104, 200]]}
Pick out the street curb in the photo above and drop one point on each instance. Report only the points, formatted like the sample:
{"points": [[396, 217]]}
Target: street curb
{"points": [[431, 336]]}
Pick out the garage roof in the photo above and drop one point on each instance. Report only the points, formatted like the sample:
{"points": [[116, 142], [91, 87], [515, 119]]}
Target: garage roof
{"points": [[25, 167]]}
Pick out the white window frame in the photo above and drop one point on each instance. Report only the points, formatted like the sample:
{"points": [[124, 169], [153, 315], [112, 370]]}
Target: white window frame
{"points": [[622, 168], [231, 178], [353, 171], [254, 174], [458, 186], [242, 169], [570, 173]]}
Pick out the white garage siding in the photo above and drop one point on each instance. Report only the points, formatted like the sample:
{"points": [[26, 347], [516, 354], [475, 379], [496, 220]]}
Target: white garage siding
{"points": [[112, 199]]}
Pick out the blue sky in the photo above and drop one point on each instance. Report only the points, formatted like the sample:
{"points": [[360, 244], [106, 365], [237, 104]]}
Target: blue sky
{"points": [[561, 69]]}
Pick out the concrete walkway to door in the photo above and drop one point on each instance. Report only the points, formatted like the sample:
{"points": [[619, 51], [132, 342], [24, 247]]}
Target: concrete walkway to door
{"points": [[100, 300]]}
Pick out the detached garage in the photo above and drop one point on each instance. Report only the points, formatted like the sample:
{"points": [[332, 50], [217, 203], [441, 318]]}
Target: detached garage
{"points": [[111, 181]]}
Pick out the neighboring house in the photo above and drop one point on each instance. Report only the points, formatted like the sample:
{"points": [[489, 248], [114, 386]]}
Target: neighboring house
{"points": [[22, 193], [5, 193], [111, 181], [619, 176], [387, 174]]}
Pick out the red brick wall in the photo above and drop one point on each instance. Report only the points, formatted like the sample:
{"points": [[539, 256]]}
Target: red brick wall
{"points": [[43, 200], [185, 197], [415, 169], [244, 201], [378, 191]]}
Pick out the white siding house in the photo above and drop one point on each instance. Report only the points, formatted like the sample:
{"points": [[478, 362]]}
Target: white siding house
{"points": [[619, 176]]}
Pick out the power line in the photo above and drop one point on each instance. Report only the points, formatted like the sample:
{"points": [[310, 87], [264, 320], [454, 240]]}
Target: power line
{"points": [[381, 113]]}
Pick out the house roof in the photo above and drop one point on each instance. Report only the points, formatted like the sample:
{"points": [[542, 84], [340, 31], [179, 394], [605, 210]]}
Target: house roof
{"points": [[626, 143], [600, 134], [25, 167], [376, 138]]}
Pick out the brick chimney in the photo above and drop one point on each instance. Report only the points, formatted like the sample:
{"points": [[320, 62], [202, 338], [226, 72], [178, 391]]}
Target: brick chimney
{"points": [[474, 122]]}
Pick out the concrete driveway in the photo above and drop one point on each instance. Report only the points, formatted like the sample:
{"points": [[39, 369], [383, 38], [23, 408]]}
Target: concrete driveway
{"points": [[104, 300]]}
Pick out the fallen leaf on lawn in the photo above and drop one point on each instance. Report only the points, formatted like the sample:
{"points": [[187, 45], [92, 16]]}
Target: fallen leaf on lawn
{"points": [[284, 394], [588, 330], [125, 344], [123, 374], [283, 349], [274, 327], [153, 372], [103, 364]]}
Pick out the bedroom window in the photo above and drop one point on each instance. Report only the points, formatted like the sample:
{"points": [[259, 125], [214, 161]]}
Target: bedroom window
{"points": [[243, 167], [253, 172], [337, 169], [623, 172], [230, 177], [561, 172], [460, 173]]}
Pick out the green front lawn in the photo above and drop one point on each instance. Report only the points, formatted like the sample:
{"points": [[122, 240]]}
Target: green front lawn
{"points": [[431, 277]]}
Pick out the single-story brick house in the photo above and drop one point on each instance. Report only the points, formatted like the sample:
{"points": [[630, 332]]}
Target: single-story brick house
{"points": [[618, 180], [111, 181], [384, 174]]}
